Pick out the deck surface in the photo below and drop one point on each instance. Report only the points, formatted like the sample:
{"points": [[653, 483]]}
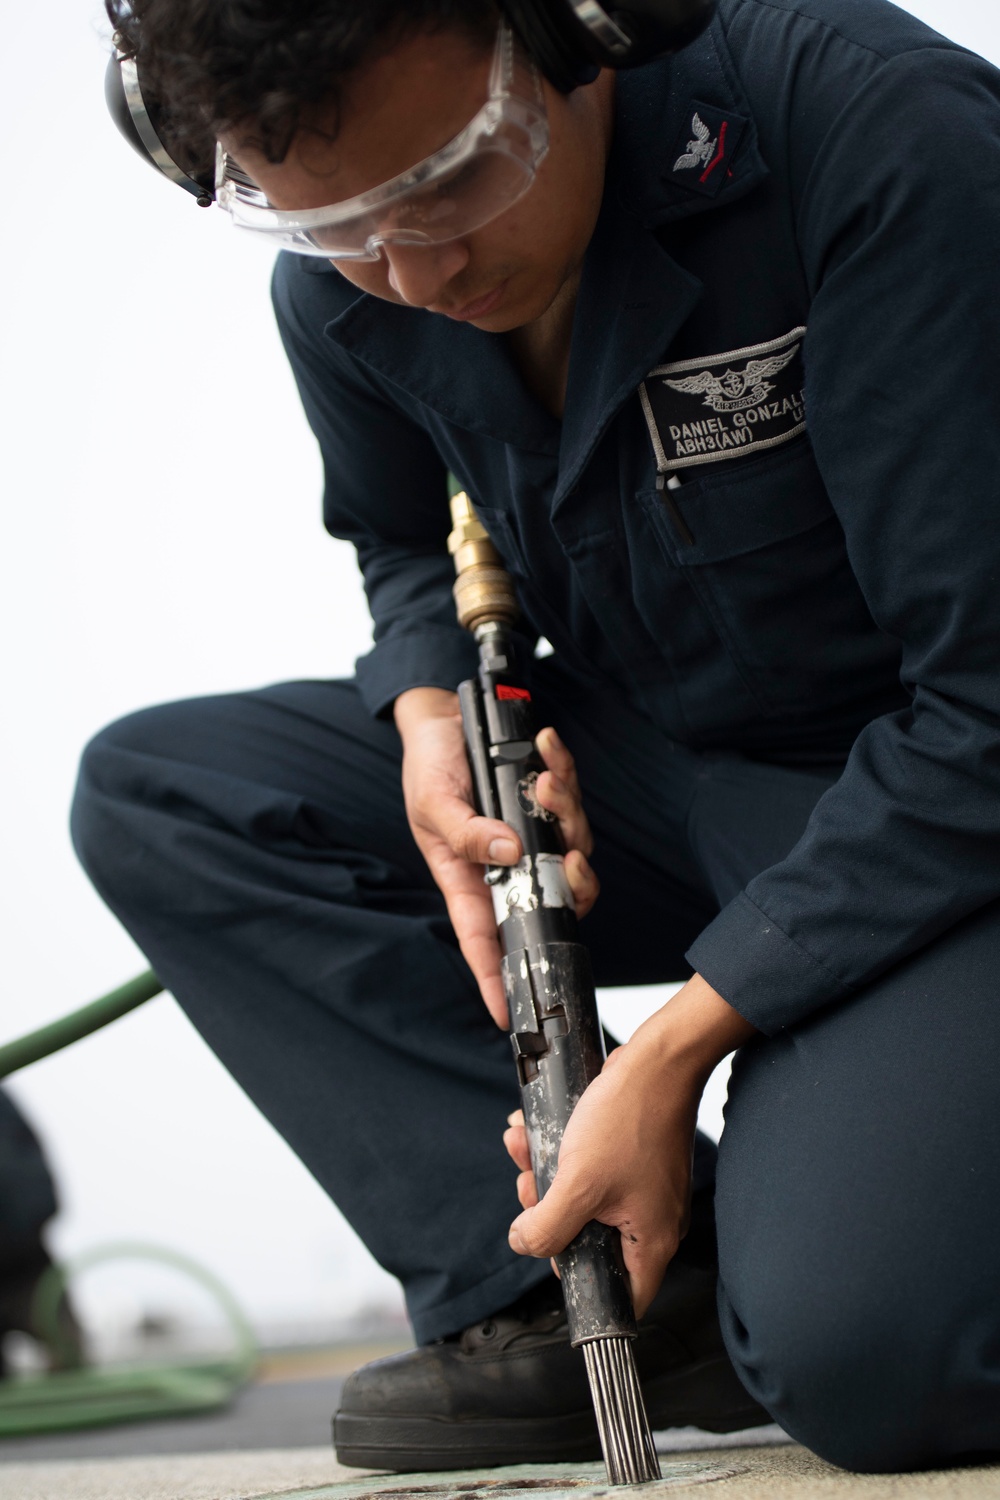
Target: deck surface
{"points": [[274, 1441], [784, 1472]]}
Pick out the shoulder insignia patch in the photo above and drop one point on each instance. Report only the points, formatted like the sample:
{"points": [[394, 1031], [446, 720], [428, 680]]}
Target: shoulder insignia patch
{"points": [[702, 411], [705, 148]]}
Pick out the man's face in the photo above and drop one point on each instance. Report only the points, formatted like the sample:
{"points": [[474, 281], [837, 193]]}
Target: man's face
{"points": [[401, 108]]}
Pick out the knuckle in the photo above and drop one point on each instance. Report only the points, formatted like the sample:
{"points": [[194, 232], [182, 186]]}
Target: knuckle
{"points": [[658, 1250], [533, 1238], [461, 838], [419, 811]]}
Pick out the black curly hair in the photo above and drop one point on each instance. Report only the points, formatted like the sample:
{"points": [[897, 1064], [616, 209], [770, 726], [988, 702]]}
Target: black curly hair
{"points": [[275, 64]]}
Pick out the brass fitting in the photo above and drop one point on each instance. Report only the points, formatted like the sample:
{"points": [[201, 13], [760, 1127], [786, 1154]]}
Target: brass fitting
{"points": [[483, 590]]}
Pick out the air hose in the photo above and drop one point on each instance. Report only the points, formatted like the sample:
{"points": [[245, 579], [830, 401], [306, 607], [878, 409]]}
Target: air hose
{"points": [[71, 1399], [96, 1397], [79, 1023]]}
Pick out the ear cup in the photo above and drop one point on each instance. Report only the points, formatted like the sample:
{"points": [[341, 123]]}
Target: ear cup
{"points": [[571, 39], [556, 40], [659, 26], [136, 118]]}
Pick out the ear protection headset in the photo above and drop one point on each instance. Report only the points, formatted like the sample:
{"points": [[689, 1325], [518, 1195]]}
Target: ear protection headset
{"points": [[570, 40], [137, 119]]}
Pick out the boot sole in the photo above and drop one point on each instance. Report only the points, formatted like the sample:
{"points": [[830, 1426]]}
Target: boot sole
{"points": [[706, 1395]]}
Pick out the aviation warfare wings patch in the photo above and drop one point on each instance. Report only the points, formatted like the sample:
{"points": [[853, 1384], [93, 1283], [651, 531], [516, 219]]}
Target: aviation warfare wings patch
{"points": [[703, 411], [705, 148]]}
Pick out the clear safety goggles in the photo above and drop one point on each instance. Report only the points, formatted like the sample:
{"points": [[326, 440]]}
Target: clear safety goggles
{"points": [[479, 174]]}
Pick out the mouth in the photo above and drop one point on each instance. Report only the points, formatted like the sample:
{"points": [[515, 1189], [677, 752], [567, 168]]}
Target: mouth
{"points": [[481, 307]]}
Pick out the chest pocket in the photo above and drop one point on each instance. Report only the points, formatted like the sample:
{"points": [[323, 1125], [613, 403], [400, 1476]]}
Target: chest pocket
{"points": [[759, 546]]}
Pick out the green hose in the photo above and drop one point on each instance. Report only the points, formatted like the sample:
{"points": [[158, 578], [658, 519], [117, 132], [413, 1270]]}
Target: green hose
{"points": [[72, 1399], [79, 1023]]}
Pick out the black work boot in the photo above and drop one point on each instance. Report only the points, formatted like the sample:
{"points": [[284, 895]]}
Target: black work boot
{"points": [[510, 1389]]}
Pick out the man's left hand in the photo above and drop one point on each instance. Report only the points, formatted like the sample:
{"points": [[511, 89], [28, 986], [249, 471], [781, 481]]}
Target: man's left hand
{"points": [[625, 1158]]}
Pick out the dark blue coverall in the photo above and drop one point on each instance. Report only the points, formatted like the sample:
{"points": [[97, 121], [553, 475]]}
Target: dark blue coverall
{"points": [[780, 681]]}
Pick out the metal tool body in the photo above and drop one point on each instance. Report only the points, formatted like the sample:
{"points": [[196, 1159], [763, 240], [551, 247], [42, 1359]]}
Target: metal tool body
{"points": [[555, 1032]]}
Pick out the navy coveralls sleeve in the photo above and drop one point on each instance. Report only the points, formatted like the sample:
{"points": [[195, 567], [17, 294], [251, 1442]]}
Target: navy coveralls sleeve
{"points": [[831, 594], [899, 231], [384, 483]]}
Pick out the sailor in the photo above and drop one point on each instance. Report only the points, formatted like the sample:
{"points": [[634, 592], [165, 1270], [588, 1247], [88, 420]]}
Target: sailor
{"points": [[711, 344]]}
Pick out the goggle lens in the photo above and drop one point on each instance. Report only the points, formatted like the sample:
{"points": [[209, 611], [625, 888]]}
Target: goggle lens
{"points": [[481, 190], [475, 178]]}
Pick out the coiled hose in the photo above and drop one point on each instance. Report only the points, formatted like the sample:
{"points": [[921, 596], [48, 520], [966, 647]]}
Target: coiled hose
{"points": [[73, 1399]]}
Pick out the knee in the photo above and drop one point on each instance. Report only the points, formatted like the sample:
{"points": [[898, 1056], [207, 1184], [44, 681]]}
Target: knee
{"points": [[847, 1376], [114, 783]]}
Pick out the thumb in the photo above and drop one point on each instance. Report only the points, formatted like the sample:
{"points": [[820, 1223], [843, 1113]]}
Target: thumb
{"points": [[549, 1227]]}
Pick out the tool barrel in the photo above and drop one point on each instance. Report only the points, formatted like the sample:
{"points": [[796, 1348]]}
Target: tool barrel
{"points": [[555, 1031], [558, 1048], [556, 1035]]}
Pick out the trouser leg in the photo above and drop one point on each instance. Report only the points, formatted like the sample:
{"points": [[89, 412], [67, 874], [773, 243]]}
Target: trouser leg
{"points": [[859, 1215], [858, 1191], [256, 847]]}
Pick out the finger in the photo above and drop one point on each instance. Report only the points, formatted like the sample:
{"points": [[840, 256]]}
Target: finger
{"points": [[557, 798], [482, 954], [495, 1001], [560, 798], [558, 791], [527, 1193], [482, 841], [470, 909], [516, 1141], [475, 927], [548, 1228], [483, 957], [516, 1117], [558, 758], [582, 882], [646, 1257]]}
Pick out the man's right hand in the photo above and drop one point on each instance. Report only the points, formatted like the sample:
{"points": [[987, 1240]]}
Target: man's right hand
{"points": [[457, 843]]}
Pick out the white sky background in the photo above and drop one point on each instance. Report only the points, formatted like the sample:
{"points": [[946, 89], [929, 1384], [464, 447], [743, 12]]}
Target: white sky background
{"points": [[161, 539]]}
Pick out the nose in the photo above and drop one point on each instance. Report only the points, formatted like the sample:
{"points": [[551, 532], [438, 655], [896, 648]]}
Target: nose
{"points": [[419, 273]]}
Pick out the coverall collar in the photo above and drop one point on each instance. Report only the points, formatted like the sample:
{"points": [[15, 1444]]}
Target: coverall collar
{"points": [[633, 296]]}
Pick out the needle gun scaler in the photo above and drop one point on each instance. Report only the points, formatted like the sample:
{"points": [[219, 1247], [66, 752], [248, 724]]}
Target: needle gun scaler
{"points": [[555, 1032]]}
